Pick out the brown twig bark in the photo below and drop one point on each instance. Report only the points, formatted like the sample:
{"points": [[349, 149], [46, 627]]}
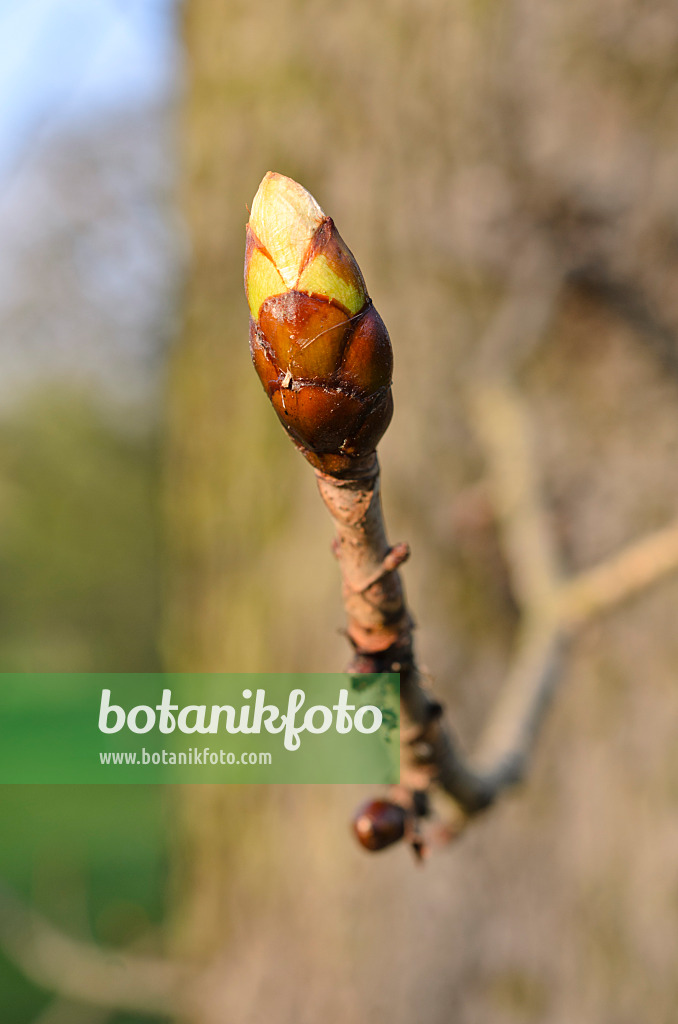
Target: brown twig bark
{"points": [[380, 630], [380, 626]]}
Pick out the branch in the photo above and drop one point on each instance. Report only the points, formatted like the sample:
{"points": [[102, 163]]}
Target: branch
{"points": [[513, 727], [502, 427], [552, 608], [81, 971], [331, 389], [621, 577], [380, 631]]}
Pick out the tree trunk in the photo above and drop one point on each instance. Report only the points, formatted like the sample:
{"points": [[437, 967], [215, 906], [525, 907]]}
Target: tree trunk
{"points": [[441, 137]]}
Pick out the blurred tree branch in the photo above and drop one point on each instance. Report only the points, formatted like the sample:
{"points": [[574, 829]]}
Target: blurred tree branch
{"points": [[553, 608], [82, 971]]}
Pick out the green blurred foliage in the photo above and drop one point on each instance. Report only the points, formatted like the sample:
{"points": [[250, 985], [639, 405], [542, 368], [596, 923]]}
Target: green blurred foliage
{"points": [[78, 540], [79, 592]]}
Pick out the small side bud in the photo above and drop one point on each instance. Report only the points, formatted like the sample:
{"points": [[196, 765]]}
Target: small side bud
{"points": [[380, 823]]}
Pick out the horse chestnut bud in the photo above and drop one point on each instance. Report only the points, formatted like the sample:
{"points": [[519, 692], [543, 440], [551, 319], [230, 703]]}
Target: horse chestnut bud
{"points": [[379, 824], [319, 346]]}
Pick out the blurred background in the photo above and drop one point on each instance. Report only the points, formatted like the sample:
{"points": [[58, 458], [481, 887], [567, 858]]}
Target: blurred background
{"points": [[152, 512]]}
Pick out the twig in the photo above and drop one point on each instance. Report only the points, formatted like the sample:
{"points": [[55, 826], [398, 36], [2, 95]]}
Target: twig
{"points": [[380, 630], [503, 429], [621, 577], [510, 734], [552, 608]]}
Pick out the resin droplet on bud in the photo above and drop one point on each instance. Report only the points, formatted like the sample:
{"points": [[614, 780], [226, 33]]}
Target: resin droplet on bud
{"points": [[318, 344]]}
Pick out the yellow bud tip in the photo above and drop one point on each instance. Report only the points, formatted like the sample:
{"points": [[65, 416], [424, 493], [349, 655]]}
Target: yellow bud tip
{"points": [[285, 217]]}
